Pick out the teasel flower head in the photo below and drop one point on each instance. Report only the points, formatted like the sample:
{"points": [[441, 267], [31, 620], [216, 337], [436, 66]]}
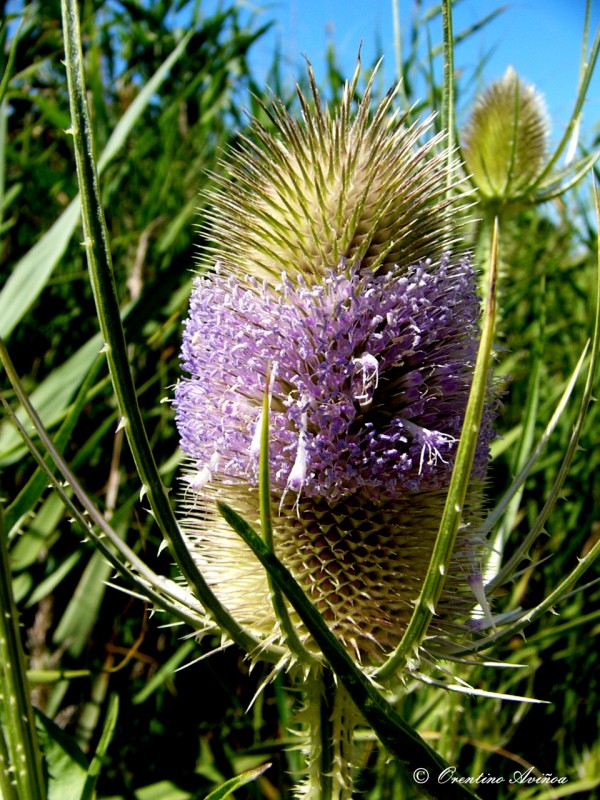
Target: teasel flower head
{"points": [[334, 278], [506, 141]]}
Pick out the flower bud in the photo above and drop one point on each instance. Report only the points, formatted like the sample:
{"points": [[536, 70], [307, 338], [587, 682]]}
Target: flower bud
{"points": [[506, 140]]}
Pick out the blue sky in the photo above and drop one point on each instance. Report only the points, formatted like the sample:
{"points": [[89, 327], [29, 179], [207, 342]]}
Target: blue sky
{"points": [[541, 39]]}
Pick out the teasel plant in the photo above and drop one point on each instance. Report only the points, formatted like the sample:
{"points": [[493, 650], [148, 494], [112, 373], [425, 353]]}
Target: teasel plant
{"points": [[510, 168], [336, 414], [505, 148]]}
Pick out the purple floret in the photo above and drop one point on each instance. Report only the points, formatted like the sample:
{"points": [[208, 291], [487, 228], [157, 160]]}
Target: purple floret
{"points": [[370, 379]]}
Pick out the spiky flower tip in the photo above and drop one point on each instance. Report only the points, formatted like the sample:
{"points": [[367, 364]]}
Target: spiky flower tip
{"points": [[506, 139], [370, 346], [362, 186]]}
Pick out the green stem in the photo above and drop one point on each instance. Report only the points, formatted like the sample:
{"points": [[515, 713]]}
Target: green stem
{"points": [[343, 723], [266, 523], [19, 750], [8, 790], [316, 719], [448, 120], [483, 247], [107, 306], [329, 716]]}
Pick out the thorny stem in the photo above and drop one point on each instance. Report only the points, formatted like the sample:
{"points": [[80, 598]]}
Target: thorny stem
{"points": [[20, 757], [329, 717], [105, 295]]}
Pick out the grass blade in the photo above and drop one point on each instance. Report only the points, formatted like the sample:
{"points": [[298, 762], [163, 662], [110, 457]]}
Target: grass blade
{"points": [[31, 273]]}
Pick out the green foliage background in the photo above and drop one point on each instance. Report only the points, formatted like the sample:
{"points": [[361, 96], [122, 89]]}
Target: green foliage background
{"points": [[181, 733]]}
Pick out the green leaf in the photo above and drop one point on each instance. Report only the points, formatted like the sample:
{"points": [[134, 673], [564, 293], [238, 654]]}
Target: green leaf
{"points": [[110, 724], [48, 585], [31, 273], [165, 672], [163, 790], [226, 789], [28, 497], [51, 397], [66, 764], [81, 614]]}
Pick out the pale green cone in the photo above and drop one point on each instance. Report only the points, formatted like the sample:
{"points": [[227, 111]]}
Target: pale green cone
{"points": [[358, 184], [506, 140]]}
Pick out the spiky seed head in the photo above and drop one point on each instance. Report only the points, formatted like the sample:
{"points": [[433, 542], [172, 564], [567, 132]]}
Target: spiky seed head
{"points": [[506, 139], [327, 285], [365, 187]]}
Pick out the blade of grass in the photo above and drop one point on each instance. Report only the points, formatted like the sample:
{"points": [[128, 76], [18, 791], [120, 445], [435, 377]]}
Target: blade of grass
{"points": [[226, 789], [51, 397], [31, 273], [81, 614], [108, 731], [33, 489], [448, 120], [165, 672], [12, 53]]}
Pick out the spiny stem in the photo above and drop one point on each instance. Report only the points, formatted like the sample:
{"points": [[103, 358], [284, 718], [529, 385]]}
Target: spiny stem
{"points": [[107, 306], [329, 718], [19, 750]]}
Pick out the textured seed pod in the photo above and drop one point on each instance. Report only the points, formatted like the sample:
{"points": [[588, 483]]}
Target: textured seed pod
{"points": [[370, 342], [506, 140], [362, 187]]}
